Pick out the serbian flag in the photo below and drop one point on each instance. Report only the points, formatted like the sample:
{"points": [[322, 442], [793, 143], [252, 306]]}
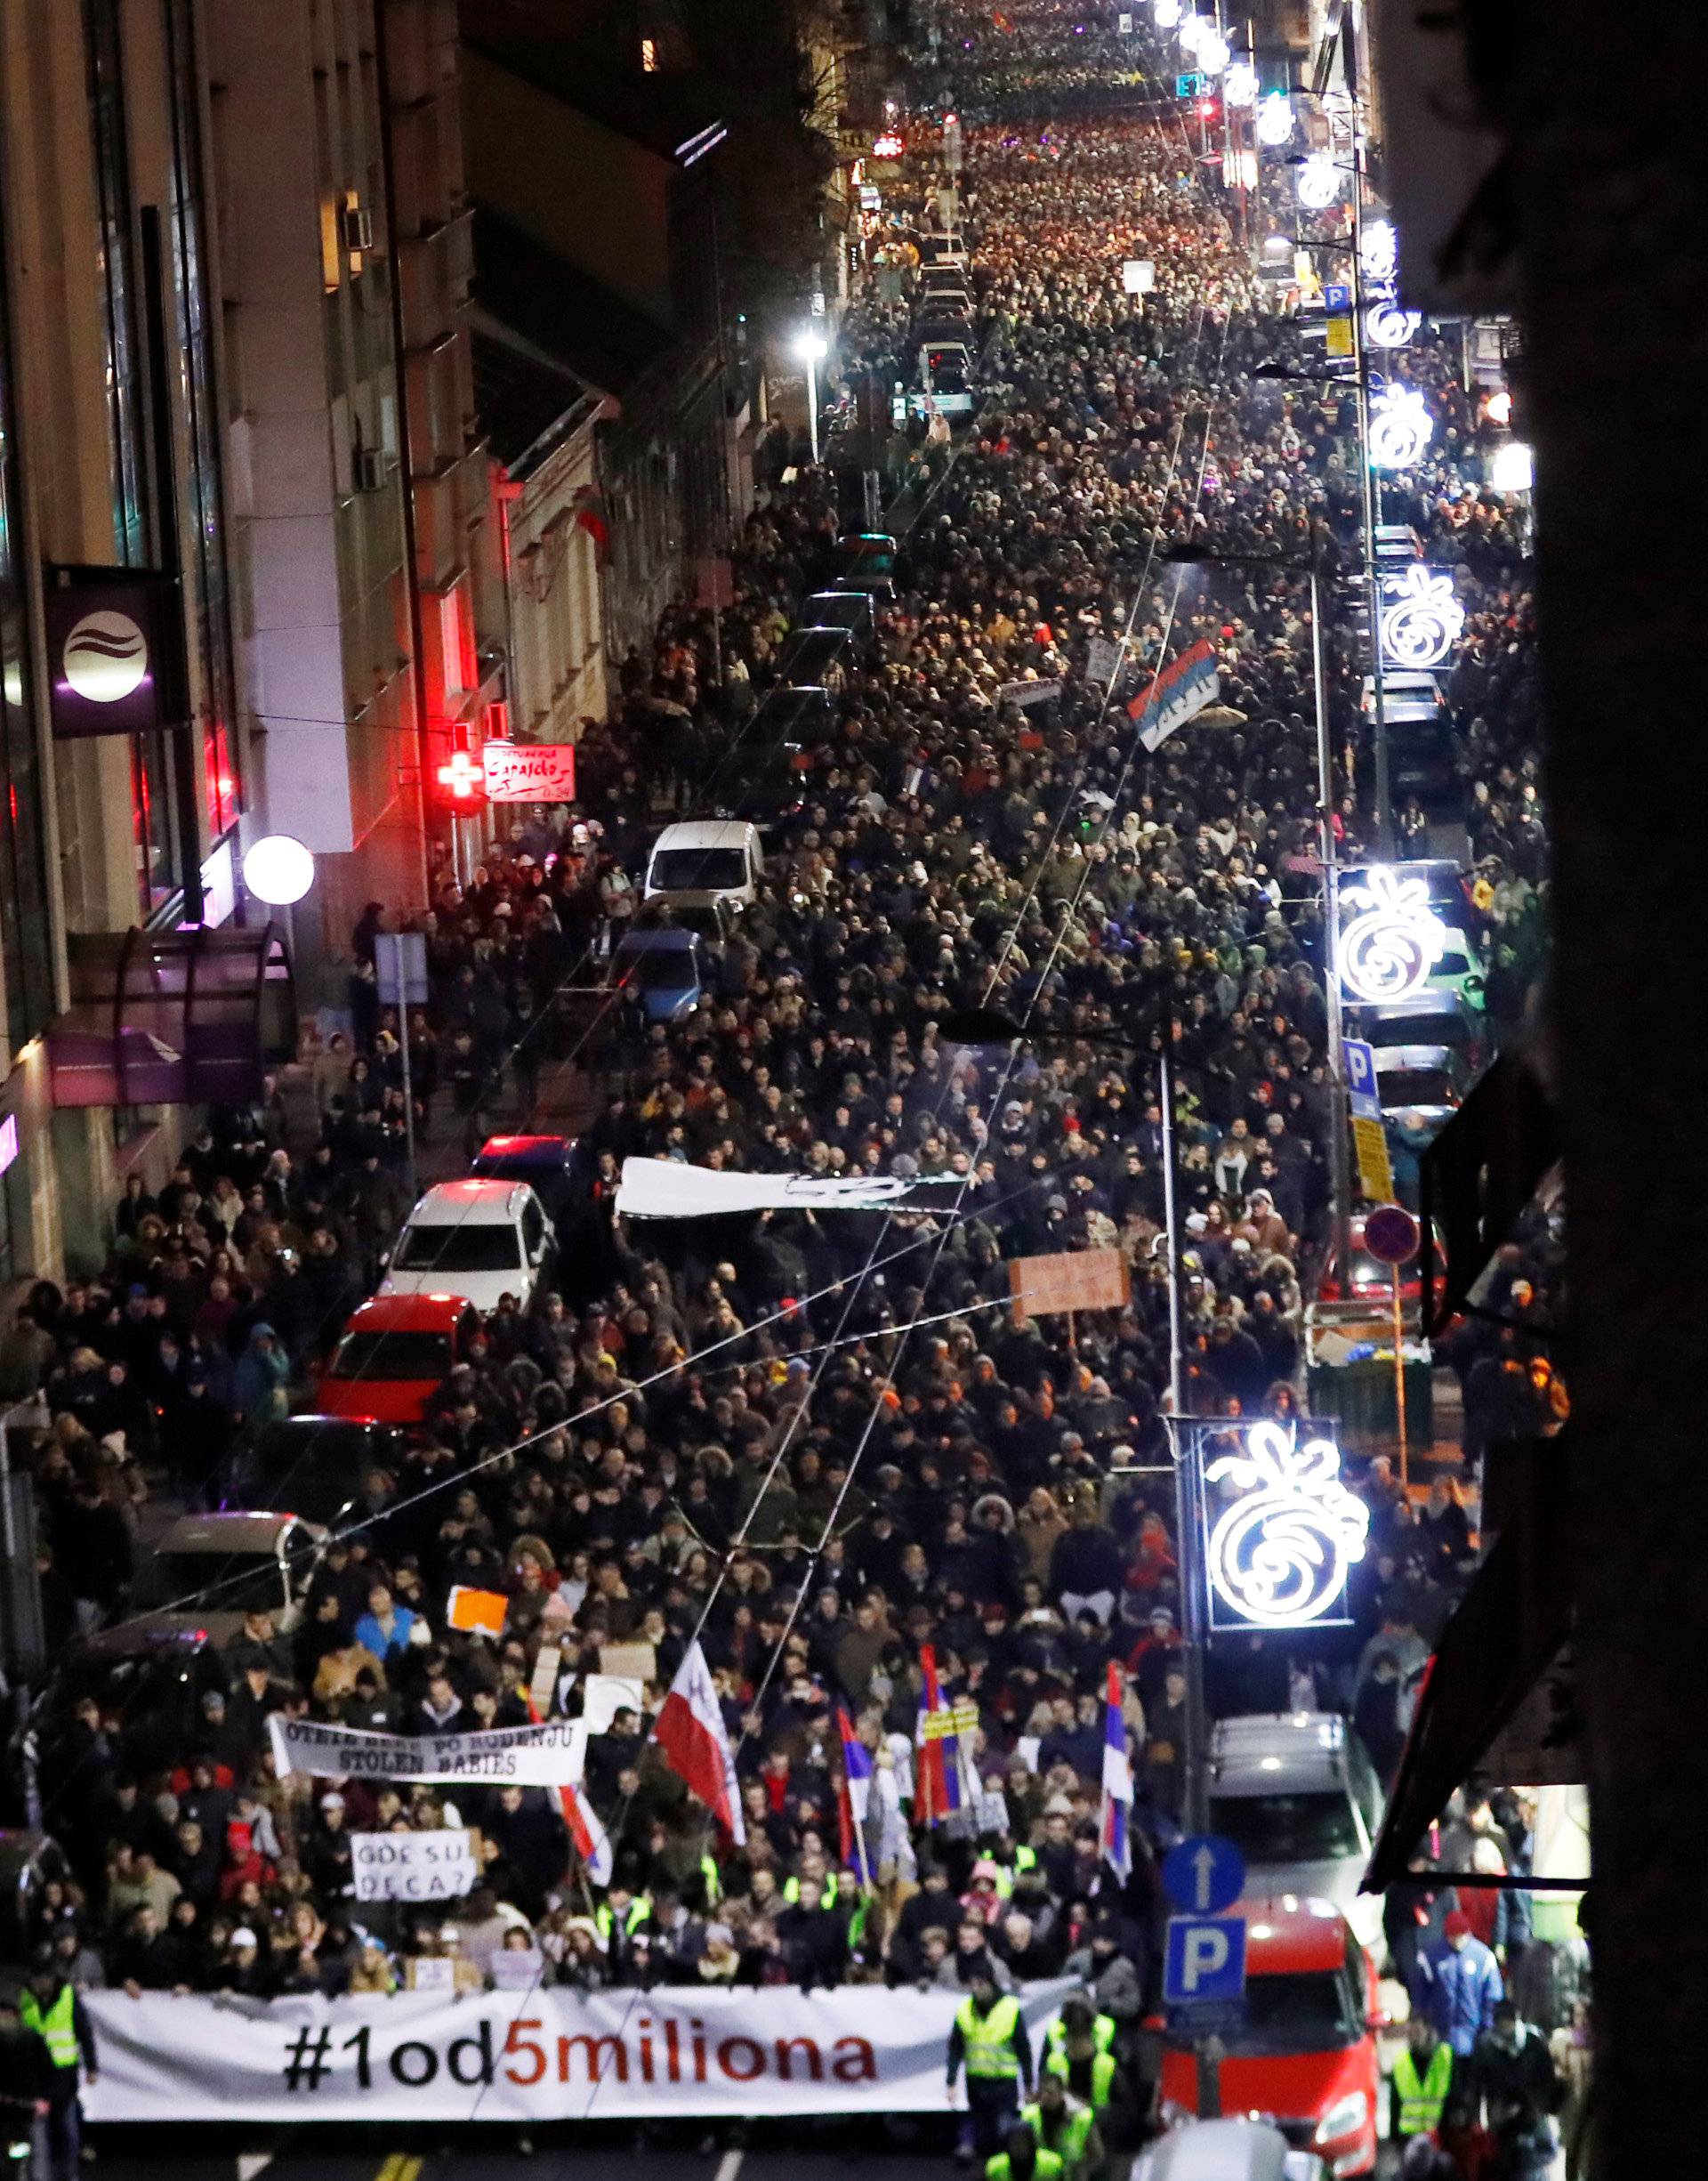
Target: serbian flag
{"points": [[691, 1734], [856, 1798], [581, 1821], [1117, 1784], [936, 1790]]}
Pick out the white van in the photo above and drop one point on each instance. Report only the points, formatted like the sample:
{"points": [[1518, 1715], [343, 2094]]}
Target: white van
{"points": [[706, 858]]}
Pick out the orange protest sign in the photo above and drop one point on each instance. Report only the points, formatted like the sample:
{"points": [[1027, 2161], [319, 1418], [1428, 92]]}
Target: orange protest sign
{"points": [[480, 1612]]}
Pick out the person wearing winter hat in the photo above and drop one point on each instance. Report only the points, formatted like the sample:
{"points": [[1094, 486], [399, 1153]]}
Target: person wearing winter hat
{"points": [[1457, 1985]]}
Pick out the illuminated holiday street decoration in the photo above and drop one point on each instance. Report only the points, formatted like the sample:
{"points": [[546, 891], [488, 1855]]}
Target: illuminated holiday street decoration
{"points": [[1274, 123], [1400, 428], [1386, 326], [1279, 1554], [1318, 182], [1420, 618], [1379, 251], [1389, 948]]}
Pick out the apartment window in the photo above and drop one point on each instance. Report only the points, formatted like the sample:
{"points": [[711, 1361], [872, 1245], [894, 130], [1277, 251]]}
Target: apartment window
{"points": [[194, 313]]}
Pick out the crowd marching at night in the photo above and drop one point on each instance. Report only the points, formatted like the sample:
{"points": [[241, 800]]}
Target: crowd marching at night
{"points": [[823, 1448]]}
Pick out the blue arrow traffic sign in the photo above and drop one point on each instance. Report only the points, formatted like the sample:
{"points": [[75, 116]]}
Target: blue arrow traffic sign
{"points": [[1359, 1061], [1204, 1874], [1206, 1961]]}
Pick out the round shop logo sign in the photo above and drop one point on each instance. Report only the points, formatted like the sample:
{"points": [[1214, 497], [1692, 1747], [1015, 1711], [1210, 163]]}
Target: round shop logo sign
{"points": [[105, 657]]}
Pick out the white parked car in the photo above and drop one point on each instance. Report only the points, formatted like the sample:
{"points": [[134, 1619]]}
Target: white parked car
{"points": [[1297, 1795], [477, 1240], [708, 859]]}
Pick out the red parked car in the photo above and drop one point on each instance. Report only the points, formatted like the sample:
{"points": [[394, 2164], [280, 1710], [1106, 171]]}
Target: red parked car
{"points": [[394, 1355], [1307, 2056]]}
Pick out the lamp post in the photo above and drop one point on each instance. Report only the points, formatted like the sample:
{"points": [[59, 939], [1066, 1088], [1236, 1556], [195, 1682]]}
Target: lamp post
{"points": [[1340, 1134], [811, 349]]}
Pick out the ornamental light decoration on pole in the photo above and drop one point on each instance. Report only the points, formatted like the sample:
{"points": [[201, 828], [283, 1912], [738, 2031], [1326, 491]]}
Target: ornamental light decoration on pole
{"points": [[1166, 14], [1192, 30], [1239, 84], [1316, 182], [1389, 948], [1379, 253], [1385, 324], [1420, 618], [1400, 428], [1214, 52], [1274, 123], [1279, 1555]]}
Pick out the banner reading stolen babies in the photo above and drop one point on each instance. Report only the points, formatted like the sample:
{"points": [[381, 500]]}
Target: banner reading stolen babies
{"points": [[552, 1755], [544, 2054]]}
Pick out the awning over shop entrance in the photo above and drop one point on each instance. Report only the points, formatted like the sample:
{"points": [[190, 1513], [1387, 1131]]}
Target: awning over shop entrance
{"points": [[1500, 1691], [172, 1018]]}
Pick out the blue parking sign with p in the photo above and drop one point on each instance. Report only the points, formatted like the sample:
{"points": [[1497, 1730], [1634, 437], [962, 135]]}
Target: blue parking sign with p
{"points": [[1206, 1961], [1363, 1093]]}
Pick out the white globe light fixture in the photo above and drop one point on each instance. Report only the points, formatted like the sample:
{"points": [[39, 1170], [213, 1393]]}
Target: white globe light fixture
{"points": [[1389, 948], [1279, 1553], [1274, 118], [1400, 428], [1214, 52], [1166, 14], [1512, 467], [1316, 182], [1420, 618], [1499, 407], [1386, 326], [278, 870]]}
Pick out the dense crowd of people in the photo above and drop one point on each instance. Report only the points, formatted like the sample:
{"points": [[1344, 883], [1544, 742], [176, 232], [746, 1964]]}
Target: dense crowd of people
{"points": [[823, 1448]]}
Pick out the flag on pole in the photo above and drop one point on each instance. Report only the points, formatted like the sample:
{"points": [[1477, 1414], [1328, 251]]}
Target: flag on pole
{"points": [[1117, 1784], [856, 1799], [939, 1785], [581, 1821], [690, 1731]]}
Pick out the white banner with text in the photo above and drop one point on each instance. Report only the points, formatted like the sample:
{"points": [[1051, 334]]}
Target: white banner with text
{"points": [[552, 1755], [519, 2057]]}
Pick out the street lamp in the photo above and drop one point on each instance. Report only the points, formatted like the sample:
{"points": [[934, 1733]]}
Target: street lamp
{"points": [[811, 349], [278, 870]]}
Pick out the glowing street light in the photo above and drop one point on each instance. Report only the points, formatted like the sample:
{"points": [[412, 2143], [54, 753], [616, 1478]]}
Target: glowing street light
{"points": [[1193, 30], [1166, 14], [1214, 52], [811, 349], [278, 870], [1274, 118], [1512, 467]]}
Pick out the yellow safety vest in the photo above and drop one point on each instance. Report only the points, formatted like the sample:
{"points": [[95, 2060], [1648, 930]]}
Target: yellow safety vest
{"points": [[57, 2028], [1102, 2033], [1046, 2167], [1103, 2073], [1422, 2099], [1075, 2130], [634, 1916], [988, 2040]]}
